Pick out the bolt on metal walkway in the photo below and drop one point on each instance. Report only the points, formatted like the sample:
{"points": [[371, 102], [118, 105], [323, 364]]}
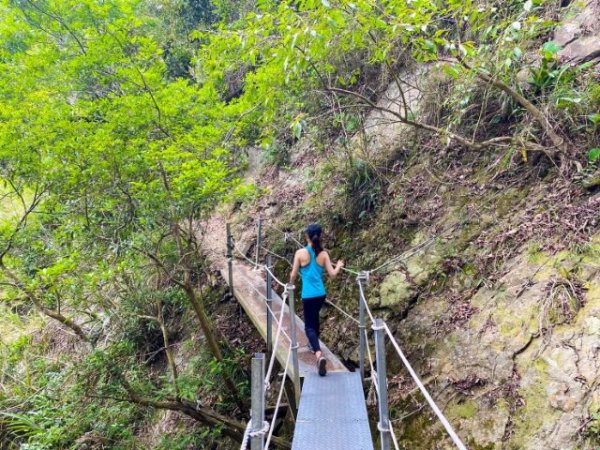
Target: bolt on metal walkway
{"points": [[332, 414]]}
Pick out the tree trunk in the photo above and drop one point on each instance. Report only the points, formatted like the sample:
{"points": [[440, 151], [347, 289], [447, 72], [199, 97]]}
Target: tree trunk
{"points": [[168, 351], [212, 341], [557, 141]]}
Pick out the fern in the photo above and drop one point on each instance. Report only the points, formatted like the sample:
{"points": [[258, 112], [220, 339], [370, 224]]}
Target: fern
{"points": [[20, 425]]}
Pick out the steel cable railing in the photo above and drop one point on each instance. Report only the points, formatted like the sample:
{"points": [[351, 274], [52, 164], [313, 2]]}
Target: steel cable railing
{"points": [[380, 329], [387, 427], [432, 404], [279, 397], [267, 428]]}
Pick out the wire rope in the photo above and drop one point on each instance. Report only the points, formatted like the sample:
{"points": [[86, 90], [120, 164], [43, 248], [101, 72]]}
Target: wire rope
{"points": [[276, 342], [237, 249], [285, 234], [270, 252], [364, 300], [277, 280], [244, 445], [342, 311], [424, 391], [279, 397]]}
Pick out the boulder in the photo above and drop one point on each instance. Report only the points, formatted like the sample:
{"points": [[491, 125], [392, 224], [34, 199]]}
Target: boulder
{"points": [[396, 291], [579, 34]]}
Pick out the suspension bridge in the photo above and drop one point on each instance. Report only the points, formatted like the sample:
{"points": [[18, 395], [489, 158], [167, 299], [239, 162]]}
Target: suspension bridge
{"points": [[330, 412]]}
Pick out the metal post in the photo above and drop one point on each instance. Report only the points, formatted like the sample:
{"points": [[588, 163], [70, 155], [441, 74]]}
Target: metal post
{"points": [[230, 259], [258, 239], [296, 380], [258, 401], [269, 307], [384, 424], [362, 277]]}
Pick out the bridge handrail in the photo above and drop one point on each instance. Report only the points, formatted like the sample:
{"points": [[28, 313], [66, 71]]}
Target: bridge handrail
{"points": [[385, 425]]}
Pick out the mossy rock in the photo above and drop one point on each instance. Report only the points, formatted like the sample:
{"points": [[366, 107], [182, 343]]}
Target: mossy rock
{"points": [[466, 410], [396, 291], [592, 182]]}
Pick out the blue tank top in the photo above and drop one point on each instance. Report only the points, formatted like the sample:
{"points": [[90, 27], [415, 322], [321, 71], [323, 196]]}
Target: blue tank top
{"points": [[312, 277]]}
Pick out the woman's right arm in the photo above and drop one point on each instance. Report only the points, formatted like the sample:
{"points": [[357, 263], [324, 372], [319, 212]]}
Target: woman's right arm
{"points": [[295, 267]]}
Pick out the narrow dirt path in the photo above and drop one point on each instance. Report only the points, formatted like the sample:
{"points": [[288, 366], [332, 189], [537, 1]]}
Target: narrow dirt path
{"points": [[213, 240]]}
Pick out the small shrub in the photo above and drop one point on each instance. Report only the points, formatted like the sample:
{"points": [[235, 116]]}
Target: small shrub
{"points": [[364, 190]]}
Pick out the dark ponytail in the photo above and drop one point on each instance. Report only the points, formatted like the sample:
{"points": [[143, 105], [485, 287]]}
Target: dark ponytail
{"points": [[316, 244], [314, 236]]}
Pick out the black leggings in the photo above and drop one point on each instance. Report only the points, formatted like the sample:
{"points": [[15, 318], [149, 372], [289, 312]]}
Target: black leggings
{"points": [[312, 306]]}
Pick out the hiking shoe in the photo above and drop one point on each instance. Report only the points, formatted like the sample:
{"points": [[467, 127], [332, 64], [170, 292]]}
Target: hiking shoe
{"points": [[322, 365]]}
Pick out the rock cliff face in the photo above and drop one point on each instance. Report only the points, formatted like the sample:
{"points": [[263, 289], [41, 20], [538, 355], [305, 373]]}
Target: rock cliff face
{"points": [[499, 308], [523, 352], [579, 34], [515, 362]]}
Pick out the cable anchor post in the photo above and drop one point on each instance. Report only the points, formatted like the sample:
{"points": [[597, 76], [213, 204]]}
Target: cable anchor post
{"points": [[230, 259], [362, 279], [384, 420], [257, 434], [364, 276], [269, 291], [289, 289]]}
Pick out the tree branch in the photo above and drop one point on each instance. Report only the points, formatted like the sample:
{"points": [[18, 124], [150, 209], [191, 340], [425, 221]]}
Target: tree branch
{"points": [[37, 197], [231, 427], [69, 323], [474, 145], [61, 22], [558, 142]]}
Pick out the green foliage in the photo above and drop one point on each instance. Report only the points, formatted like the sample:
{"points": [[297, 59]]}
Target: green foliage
{"points": [[286, 53], [204, 376], [364, 190], [548, 73], [20, 425], [121, 128], [277, 154], [50, 411], [592, 429], [180, 441], [107, 154]]}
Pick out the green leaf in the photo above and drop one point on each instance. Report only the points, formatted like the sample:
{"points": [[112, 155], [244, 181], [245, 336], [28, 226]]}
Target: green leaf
{"points": [[594, 118], [297, 129], [594, 155], [517, 52], [566, 101], [550, 49]]}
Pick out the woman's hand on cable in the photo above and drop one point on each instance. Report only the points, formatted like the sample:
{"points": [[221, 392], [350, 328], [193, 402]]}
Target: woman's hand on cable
{"points": [[331, 270], [338, 266]]}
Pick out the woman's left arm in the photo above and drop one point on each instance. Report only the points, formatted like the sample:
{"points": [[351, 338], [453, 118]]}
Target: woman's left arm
{"points": [[295, 267], [333, 271]]}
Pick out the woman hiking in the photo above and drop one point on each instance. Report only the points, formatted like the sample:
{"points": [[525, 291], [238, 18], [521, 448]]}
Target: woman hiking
{"points": [[311, 261]]}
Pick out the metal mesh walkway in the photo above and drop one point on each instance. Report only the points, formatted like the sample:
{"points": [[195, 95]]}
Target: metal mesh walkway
{"points": [[249, 289], [332, 414]]}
